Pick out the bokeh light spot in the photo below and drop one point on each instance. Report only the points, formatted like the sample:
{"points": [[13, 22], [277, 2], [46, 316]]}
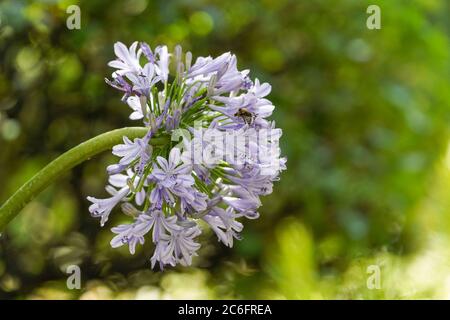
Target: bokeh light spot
{"points": [[201, 23], [10, 129]]}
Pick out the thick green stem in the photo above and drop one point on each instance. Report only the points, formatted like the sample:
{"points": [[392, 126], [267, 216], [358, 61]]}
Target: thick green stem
{"points": [[64, 163]]}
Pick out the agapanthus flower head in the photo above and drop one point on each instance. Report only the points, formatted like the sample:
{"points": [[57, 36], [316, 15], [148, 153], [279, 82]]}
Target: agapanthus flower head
{"points": [[222, 152]]}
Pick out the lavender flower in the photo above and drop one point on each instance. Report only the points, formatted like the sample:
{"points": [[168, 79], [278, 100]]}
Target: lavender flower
{"points": [[175, 180], [223, 155], [132, 150], [171, 173], [144, 80], [162, 63], [133, 233], [128, 180], [179, 247], [207, 66], [102, 207], [127, 59], [224, 224]]}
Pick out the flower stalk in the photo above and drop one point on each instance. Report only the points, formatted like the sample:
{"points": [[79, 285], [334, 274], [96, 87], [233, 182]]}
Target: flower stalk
{"points": [[64, 163]]}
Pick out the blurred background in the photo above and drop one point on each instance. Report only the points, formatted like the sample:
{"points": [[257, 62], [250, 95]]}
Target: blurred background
{"points": [[365, 115]]}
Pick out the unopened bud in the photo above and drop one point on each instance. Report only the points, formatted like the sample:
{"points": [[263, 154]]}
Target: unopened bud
{"points": [[188, 60], [186, 223], [212, 84], [129, 209], [143, 101], [130, 184]]}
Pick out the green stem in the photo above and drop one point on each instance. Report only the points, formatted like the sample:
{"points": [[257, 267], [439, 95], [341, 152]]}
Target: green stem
{"points": [[64, 163]]}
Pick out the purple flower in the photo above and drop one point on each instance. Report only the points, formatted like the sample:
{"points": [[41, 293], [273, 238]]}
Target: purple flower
{"points": [[159, 195], [174, 179], [159, 255], [133, 233], [120, 84], [127, 59], [162, 69], [172, 172], [121, 181], [178, 247], [132, 150], [260, 108], [224, 224], [101, 208], [205, 66], [147, 52], [229, 78], [145, 79], [191, 200], [260, 90], [248, 204], [257, 185], [162, 225], [228, 158]]}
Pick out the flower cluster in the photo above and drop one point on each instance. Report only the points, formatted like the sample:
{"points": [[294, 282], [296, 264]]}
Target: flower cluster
{"points": [[221, 154]]}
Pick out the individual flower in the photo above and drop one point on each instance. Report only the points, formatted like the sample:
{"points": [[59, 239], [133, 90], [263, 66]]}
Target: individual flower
{"points": [[174, 180], [145, 79], [179, 247], [127, 180], [101, 208], [224, 224], [162, 64], [171, 173], [130, 151], [127, 59], [208, 66], [133, 233]]}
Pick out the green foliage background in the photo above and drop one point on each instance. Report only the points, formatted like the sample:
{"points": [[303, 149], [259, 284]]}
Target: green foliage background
{"points": [[365, 115]]}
